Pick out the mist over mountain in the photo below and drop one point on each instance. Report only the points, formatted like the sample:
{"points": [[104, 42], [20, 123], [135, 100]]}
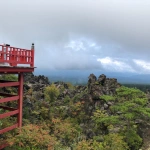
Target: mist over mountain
{"points": [[81, 76]]}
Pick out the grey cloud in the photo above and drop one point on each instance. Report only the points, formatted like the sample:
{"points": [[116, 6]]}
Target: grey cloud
{"points": [[120, 27]]}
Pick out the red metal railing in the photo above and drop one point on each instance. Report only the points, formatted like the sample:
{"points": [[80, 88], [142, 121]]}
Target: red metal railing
{"points": [[15, 56], [9, 111]]}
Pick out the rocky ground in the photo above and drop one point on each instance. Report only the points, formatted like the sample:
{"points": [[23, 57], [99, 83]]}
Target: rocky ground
{"points": [[89, 95]]}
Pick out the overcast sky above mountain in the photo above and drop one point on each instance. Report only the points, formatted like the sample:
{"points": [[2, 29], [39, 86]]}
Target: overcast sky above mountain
{"points": [[110, 35]]}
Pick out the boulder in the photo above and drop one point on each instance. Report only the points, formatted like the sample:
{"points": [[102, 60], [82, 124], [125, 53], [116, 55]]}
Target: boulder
{"points": [[101, 86]]}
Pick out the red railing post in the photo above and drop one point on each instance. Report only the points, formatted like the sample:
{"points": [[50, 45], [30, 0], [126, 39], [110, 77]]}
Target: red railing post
{"points": [[32, 55], [2, 56], [20, 101]]}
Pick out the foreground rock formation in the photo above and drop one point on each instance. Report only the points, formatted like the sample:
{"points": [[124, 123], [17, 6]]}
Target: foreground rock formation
{"points": [[89, 95]]}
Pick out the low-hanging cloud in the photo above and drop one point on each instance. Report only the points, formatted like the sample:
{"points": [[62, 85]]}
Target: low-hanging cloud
{"points": [[73, 34]]}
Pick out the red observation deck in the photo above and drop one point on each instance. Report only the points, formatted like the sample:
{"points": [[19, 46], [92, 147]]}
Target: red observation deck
{"points": [[14, 61]]}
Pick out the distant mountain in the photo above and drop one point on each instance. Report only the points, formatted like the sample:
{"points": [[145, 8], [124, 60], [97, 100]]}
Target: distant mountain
{"points": [[81, 76]]}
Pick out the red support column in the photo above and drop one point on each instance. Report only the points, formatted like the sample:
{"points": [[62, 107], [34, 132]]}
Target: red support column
{"points": [[20, 101], [32, 56], [14, 56]]}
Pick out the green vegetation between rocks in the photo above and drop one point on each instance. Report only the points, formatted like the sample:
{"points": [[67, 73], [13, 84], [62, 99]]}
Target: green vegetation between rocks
{"points": [[61, 116]]}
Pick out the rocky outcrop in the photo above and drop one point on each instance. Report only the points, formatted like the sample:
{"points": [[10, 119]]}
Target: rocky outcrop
{"points": [[31, 78], [35, 82], [93, 91], [34, 88], [91, 95], [101, 86]]}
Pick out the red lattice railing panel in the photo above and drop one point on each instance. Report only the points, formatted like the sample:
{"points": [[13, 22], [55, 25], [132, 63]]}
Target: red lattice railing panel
{"points": [[15, 56]]}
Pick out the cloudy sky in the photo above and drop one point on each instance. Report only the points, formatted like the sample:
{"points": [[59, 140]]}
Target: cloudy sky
{"points": [[110, 35]]}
